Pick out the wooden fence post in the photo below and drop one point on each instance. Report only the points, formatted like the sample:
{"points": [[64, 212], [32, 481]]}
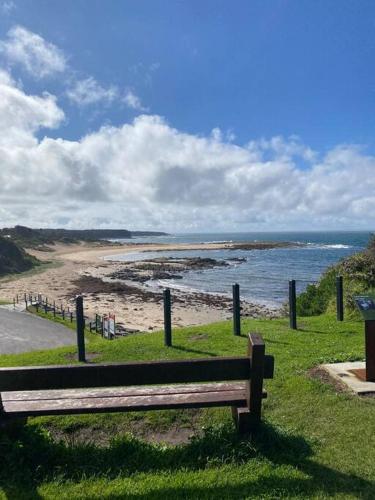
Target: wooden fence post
{"points": [[236, 309], [292, 305], [339, 299], [167, 318], [80, 329]]}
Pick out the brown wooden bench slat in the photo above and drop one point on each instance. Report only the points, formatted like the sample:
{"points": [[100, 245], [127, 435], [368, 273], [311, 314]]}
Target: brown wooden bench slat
{"points": [[128, 403], [140, 373], [121, 391]]}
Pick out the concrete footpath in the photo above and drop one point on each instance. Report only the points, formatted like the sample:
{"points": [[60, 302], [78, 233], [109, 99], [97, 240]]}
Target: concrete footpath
{"points": [[23, 332]]}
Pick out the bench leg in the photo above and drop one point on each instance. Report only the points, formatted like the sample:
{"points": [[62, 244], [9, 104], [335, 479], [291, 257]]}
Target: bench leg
{"points": [[12, 425], [244, 420]]}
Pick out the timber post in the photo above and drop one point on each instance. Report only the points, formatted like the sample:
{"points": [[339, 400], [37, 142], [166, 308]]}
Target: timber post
{"points": [[236, 309], [339, 299], [292, 305], [167, 318], [80, 329]]}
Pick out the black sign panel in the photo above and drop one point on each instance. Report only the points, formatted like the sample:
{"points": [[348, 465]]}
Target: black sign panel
{"points": [[366, 305]]}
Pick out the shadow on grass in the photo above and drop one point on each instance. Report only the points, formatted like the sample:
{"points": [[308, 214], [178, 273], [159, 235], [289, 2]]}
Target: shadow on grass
{"points": [[194, 351], [31, 458]]}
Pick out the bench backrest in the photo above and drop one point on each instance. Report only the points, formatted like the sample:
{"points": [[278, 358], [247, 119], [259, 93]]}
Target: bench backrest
{"points": [[136, 373]]}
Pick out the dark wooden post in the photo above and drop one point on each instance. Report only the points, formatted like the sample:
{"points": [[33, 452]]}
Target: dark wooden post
{"points": [[370, 350], [167, 318], [37, 307], [71, 317], [63, 314], [54, 309], [236, 309], [80, 329], [292, 305], [339, 299]]}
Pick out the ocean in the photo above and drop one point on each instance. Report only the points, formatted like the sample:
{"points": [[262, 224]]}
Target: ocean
{"points": [[263, 276]]}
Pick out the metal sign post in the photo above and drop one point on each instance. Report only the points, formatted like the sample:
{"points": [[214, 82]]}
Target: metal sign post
{"points": [[366, 305]]}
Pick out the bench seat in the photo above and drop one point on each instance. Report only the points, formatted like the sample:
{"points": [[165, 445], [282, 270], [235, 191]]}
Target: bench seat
{"points": [[79, 401], [236, 382]]}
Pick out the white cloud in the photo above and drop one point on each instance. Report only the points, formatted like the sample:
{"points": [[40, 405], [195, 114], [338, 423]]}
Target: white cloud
{"points": [[6, 6], [22, 115], [43, 59], [149, 174], [89, 91], [133, 101], [39, 57]]}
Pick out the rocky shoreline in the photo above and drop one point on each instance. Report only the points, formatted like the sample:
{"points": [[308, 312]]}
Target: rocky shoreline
{"points": [[130, 280], [167, 268]]}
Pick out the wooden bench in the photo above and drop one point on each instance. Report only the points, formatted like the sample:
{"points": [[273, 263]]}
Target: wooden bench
{"points": [[192, 383]]}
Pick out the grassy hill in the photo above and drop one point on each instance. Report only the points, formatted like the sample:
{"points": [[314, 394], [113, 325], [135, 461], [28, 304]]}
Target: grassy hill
{"points": [[14, 259], [316, 441], [358, 272]]}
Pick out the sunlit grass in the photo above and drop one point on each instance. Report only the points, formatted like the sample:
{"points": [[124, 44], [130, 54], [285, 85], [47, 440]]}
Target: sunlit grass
{"points": [[314, 443]]}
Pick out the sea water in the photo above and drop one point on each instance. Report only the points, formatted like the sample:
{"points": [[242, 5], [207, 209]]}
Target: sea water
{"points": [[264, 275]]}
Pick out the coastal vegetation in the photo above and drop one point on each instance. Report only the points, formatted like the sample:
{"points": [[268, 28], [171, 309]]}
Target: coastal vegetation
{"points": [[13, 259], [307, 447], [358, 272], [41, 238]]}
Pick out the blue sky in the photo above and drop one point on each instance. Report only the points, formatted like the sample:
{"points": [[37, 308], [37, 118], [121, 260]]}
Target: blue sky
{"points": [[298, 70]]}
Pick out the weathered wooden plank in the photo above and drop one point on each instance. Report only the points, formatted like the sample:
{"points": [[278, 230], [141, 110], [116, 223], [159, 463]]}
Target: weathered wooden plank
{"points": [[121, 392], [137, 373], [131, 403], [257, 354]]}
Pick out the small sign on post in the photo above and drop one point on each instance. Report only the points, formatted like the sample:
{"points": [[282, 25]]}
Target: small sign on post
{"points": [[366, 306], [109, 326]]}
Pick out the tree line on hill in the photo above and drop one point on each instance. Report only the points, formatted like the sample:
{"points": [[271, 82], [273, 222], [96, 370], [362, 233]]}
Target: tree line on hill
{"points": [[33, 238]]}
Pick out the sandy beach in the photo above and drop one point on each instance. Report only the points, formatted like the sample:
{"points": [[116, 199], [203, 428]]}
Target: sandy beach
{"points": [[109, 286]]}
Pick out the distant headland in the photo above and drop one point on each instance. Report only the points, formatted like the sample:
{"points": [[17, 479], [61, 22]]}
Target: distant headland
{"points": [[36, 238]]}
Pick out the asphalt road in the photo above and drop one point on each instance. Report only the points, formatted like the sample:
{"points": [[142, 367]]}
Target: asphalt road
{"points": [[23, 332]]}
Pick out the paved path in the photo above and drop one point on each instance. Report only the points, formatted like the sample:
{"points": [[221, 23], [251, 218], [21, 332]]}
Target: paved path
{"points": [[23, 332]]}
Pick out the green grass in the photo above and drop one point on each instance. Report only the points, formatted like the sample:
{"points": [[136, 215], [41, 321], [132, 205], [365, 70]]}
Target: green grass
{"points": [[314, 442], [4, 302]]}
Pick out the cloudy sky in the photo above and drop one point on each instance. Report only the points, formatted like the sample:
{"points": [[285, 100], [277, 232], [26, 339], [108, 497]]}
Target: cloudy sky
{"points": [[186, 115]]}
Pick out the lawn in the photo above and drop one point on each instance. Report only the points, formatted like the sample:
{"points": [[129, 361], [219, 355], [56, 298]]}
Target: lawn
{"points": [[315, 442]]}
